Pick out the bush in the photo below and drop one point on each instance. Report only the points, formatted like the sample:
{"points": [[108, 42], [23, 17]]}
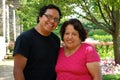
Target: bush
{"points": [[104, 46], [10, 47], [97, 32], [100, 35], [111, 77], [103, 38], [105, 50]]}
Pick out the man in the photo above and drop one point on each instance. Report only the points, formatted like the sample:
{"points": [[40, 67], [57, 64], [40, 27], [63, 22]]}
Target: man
{"points": [[36, 50]]}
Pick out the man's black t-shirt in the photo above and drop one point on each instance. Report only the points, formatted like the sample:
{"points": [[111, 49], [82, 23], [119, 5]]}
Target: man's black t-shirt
{"points": [[41, 53]]}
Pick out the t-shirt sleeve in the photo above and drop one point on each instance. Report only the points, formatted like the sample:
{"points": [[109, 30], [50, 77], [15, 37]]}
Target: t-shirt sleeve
{"points": [[92, 54], [22, 46]]}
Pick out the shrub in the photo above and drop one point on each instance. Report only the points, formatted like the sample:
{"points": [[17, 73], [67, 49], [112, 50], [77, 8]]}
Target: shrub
{"points": [[97, 32], [100, 35]]}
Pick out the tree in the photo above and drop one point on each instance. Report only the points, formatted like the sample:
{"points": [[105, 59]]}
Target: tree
{"points": [[105, 14]]}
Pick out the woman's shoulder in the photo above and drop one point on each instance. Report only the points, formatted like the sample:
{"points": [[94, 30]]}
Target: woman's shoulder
{"points": [[87, 44]]}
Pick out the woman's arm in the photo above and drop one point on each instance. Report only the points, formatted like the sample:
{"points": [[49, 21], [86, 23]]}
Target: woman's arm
{"points": [[19, 65], [94, 69]]}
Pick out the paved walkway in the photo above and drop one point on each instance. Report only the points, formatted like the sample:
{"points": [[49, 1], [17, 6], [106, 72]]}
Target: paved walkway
{"points": [[6, 69]]}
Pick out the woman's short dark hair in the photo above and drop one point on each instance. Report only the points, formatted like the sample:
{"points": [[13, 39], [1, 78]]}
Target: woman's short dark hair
{"points": [[77, 26], [44, 8]]}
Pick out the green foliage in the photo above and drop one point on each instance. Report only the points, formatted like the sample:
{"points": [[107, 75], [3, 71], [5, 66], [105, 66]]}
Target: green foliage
{"points": [[28, 14], [100, 35], [103, 38], [89, 26], [105, 51], [57, 30], [105, 48], [28, 11], [115, 3], [111, 77], [97, 32]]}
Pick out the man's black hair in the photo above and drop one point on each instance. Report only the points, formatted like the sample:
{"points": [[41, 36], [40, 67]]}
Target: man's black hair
{"points": [[44, 8]]}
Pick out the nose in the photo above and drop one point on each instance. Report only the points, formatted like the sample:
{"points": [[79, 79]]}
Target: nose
{"points": [[70, 36], [52, 20]]}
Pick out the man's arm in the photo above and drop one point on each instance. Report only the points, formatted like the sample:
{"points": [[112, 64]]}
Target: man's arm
{"points": [[19, 65]]}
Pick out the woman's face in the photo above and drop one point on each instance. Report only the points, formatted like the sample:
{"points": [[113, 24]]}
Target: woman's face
{"points": [[71, 37]]}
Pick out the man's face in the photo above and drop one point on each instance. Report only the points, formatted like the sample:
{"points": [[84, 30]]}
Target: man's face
{"points": [[49, 20]]}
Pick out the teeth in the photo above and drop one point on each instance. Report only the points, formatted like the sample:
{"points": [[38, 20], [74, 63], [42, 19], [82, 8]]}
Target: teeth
{"points": [[69, 41], [50, 25]]}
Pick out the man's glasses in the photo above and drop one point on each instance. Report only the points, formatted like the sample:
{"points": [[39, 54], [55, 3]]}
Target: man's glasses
{"points": [[50, 17]]}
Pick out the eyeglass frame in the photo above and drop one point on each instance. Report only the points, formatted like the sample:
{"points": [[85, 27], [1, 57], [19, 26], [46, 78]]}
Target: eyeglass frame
{"points": [[50, 17]]}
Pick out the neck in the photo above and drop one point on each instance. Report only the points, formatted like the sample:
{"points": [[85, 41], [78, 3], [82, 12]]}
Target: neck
{"points": [[42, 31], [70, 51]]}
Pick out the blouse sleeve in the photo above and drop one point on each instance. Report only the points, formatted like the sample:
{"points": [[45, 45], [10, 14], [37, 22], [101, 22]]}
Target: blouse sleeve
{"points": [[92, 54]]}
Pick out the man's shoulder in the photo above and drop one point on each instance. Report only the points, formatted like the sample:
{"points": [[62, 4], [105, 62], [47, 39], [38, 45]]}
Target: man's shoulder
{"points": [[55, 36], [27, 32]]}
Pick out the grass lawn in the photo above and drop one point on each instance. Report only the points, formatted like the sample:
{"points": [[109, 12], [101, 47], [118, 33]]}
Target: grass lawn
{"points": [[111, 77]]}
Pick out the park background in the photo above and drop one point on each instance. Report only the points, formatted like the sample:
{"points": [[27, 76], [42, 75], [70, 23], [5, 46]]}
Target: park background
{"points": [[101, 18]]}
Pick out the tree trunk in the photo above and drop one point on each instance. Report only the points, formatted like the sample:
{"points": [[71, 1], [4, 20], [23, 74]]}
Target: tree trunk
{"points": [[116, 43], [116, 38]]}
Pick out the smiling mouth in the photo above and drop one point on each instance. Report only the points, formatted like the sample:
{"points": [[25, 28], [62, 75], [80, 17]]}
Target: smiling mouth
{"points": [[50, 25], [69, 42]]}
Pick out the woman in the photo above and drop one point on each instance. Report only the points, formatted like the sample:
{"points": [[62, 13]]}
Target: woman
{"points": [[77, 60]]}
